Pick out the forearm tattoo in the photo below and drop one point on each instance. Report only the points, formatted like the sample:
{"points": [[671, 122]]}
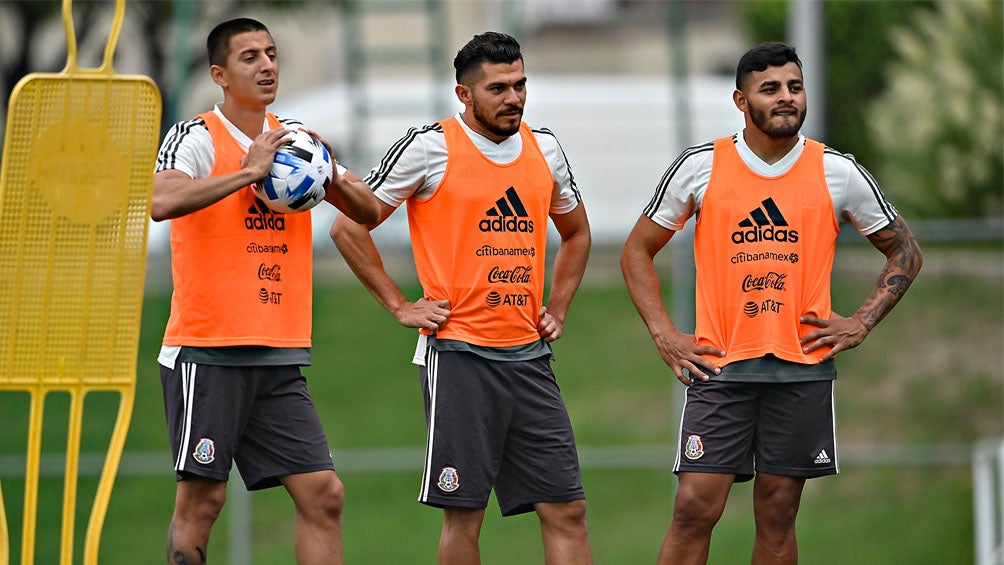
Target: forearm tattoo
{"points": [[904, 260]]}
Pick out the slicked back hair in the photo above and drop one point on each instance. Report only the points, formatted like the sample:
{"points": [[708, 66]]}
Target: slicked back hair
{"points": [[218, 42], [763, 56], [489, 47]]}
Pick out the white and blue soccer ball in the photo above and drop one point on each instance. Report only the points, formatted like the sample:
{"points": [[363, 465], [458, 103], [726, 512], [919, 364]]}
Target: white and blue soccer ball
{"points": [[299, 176]]}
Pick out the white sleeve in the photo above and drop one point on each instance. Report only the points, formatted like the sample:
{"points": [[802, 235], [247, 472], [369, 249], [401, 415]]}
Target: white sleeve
{"points": [[405, 170], [188, 148], [681, 189], [857, 197], [568, 192]]}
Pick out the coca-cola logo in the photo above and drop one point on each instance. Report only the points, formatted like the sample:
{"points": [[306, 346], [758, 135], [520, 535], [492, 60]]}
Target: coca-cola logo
{"points": [[768, 281], [516, 275], [267, 273]]}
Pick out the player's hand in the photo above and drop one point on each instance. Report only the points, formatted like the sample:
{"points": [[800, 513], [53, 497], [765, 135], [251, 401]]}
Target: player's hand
{"points": [[424, 313], [330, 152], [680, 351], [548, 326], [261, 153], [323, 141], [838, 333]]}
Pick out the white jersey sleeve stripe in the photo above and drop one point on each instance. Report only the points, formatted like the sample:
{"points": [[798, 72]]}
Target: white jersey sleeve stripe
{"points": [[571, 177], [379, 175], [660, 190], [887, 208], [166, 158]]}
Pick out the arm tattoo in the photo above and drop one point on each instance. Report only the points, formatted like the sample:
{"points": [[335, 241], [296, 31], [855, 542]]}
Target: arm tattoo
{"points": [[903, 262]]}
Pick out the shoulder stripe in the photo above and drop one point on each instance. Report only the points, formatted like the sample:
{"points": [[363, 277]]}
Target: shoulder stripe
{"points": [[291, 123], [887, 208], [571, 177], [167, 157], [660, 190], [378, 176]]}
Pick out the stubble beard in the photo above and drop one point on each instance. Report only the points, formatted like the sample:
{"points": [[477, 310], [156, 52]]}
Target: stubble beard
{"points": [[761, 120], [489, 124]]}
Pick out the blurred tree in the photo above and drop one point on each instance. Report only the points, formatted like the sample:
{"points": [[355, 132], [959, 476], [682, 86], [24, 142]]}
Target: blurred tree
{"points": [[171, 38], [23, 21], [857, 48], [939, 124]]}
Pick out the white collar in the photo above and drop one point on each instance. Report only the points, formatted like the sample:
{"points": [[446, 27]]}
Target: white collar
{"points": [[237, 134], [758, 166]]}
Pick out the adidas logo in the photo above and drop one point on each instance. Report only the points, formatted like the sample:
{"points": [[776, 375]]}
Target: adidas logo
{"points": [[822, 458], [765, 223], [507, 215], [261, 217]]}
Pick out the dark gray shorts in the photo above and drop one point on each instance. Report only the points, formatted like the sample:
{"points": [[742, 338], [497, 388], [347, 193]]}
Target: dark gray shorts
{"points": [[260, 417], [735, 428], [498, 424]]}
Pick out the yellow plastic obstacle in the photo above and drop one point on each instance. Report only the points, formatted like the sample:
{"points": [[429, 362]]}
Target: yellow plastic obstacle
{"points": [[74, 208]]}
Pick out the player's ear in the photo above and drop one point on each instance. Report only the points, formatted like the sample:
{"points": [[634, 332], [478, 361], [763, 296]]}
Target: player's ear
{"points": [[464, 95], [219, 75], [739, 98]]}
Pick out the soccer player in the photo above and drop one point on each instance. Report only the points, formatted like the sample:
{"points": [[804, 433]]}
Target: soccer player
{"points": [[759, 369], [236, 339], [479, 188]]}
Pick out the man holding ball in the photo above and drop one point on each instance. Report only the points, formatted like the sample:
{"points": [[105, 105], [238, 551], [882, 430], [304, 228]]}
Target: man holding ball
{"points": [[240, 322]]}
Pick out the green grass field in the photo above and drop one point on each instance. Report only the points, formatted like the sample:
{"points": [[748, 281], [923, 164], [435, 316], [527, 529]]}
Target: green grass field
{"points": [[929, 375]]}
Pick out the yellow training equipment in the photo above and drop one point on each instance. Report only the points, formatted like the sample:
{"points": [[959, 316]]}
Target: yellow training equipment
{"points": [[74, 208]]}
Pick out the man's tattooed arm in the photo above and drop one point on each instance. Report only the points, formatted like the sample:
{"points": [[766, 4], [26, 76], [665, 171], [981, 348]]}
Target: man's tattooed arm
{"points": [[903, 261]]}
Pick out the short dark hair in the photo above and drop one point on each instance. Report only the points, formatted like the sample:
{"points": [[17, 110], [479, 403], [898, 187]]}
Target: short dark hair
{"points": [[488, 47], [218, 42], [763, 56]]}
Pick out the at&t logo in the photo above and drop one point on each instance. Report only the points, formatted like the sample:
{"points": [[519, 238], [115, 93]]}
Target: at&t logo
{"points": [[752, 309], [494, 299], [265, 296]]}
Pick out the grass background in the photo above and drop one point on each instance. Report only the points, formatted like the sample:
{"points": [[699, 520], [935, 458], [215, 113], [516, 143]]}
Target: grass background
{"points": [[929, 376]]}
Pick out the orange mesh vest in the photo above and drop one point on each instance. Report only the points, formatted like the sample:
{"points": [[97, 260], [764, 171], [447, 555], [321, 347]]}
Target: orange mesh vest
{"points": [[764, 251], [242, 273], [479, 241]]}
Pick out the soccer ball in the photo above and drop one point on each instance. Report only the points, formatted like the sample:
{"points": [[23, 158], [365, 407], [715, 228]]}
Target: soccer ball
{"points": [[299, 176]]}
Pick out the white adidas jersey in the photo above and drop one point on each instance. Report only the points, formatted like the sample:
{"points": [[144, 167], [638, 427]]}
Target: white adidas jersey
{"points": [[857, 198], [414, 166], [188, 147]]}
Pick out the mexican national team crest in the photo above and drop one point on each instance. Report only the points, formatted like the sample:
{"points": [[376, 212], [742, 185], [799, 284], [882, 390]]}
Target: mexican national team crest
{"points": [[449, 480], [695, 447], [205, 451]]}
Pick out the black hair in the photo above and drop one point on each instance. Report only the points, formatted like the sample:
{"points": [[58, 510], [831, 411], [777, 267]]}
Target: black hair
{"points": [[488, 47], [218, 42], [763, 56]]}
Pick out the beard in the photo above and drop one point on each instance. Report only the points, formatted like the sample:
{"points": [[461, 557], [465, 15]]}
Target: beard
{"points": [[761, 120], [492, 125]]}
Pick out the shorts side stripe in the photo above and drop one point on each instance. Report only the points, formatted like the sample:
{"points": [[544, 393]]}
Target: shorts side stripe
{"points": [[679, 433], [432, 371], [187, 392], [833, 418]]}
